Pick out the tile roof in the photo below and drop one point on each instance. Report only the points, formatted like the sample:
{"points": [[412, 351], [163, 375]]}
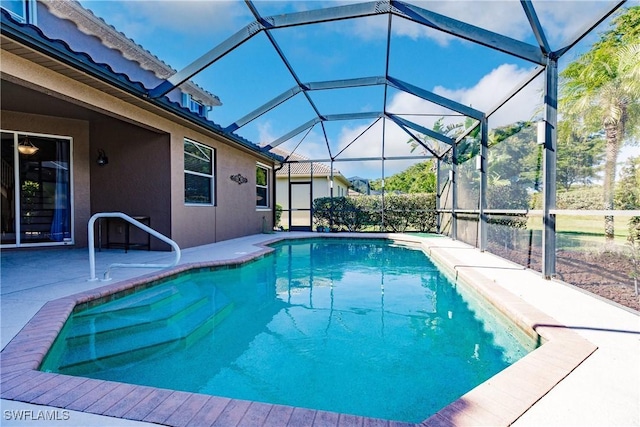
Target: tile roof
{"points": [[89, 23], [304, 167]]}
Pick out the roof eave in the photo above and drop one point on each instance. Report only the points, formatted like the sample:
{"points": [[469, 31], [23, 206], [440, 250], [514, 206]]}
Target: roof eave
{"points": [[33, 38]]}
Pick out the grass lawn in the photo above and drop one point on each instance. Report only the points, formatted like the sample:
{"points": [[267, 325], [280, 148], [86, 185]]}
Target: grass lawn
{"points": [[587, 229]]}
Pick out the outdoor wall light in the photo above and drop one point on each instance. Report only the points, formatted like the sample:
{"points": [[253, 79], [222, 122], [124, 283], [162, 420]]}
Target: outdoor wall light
{"points": [[542, 131], [26, 147], [102, 158]]}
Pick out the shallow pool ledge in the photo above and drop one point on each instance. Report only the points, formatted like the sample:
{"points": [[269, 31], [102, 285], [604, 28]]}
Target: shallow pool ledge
{"points": [[501, 400]]}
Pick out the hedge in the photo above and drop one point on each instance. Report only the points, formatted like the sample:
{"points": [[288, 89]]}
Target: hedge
{"points": [[402, 212]]}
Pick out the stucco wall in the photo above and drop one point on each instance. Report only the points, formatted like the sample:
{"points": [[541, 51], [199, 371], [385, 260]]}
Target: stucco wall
{"points": [[321, 187], [235, 213], [282, 192], [79, 131], [136, 180]]}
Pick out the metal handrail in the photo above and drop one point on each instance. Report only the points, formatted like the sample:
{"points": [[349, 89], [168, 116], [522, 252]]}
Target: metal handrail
{"points": [[92, 249]]}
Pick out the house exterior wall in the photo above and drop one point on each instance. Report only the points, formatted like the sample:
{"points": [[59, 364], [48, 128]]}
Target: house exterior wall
{"points": [[135, 179], [235, 213]]}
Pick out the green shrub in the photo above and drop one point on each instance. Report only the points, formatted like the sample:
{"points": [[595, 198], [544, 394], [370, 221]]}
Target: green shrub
{"points": [[348, 215], [580, 198], [503, 229], [339, 213], [372, 205], [397, 214], [278, 214], [510, 196], [403, 212], [410, 212], [322, 211]]}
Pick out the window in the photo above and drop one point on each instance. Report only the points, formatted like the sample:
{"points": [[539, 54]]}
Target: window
{"points": [[198, 173], [262, 186], [36, 197], [194, 106], [21, 10]]}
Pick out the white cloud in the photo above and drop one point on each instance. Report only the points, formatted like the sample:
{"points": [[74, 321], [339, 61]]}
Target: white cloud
{"points": [[265, 132], [313, 146], [494, 87], [369, 145], [483, 96], [564, 20], [561, 20], [504, 17], [193, 17]]}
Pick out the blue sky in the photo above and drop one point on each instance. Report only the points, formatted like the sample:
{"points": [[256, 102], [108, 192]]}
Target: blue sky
{"points": [[178, 32]]}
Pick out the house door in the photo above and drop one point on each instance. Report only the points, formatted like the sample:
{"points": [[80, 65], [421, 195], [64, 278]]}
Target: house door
{"points": [[300, 206], [36, 190]]}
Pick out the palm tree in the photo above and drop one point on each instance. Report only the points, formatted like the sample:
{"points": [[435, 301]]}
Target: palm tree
{"points": [[451, 130], [602, 88]]}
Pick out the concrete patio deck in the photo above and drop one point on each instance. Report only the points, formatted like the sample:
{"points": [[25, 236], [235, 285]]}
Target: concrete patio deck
{"points": [[602, 386]]}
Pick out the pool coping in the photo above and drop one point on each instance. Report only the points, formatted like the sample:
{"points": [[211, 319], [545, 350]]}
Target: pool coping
{"points": [[501, 400]]}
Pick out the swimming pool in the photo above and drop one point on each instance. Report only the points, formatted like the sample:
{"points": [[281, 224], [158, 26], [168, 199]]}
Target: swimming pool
{"points": [[365, 316]]}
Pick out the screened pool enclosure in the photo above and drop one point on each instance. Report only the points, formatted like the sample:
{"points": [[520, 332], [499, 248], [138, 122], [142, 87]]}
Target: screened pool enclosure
{"points": [[475, 95]]}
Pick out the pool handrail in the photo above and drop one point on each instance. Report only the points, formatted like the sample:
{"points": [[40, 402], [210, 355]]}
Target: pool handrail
{"points": [[143, 227]]}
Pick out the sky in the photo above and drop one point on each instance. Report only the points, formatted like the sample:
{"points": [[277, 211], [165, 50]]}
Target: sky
{"points": [[179, 32]]}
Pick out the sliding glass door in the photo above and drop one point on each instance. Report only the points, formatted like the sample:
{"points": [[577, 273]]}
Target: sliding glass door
{"points": [[36, 190]]}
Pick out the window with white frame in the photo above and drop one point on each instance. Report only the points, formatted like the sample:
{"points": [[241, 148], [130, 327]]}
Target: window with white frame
{"points": [[262, 186], [194, 105], [197, 107], [21, 10], [199, 167]]}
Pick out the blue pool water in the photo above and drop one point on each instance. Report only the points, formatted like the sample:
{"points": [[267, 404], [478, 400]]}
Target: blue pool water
{"points": [[364, 327]]}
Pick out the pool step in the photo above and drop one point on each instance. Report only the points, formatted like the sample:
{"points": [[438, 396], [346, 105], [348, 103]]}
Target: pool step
{"points": [[141, 302], [118, 321], [120, 346]]}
